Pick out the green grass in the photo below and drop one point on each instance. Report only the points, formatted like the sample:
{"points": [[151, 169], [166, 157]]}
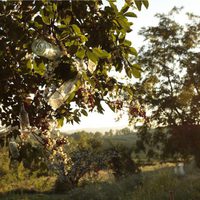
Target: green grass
{"points": [[155, 183], [126, 140], [160, 184]]}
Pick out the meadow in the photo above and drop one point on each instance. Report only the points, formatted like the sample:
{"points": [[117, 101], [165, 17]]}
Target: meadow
{"points": [[156, 182]]}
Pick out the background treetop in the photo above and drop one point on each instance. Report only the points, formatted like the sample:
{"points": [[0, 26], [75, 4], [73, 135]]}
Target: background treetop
{"points": [[170, 62], [169, 86]]}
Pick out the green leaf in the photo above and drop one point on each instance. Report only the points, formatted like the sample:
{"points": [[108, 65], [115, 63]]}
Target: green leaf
{"points": [[29, 64], [146, 3], [19, 16], [83, 38], [101, 53], [128, 72], [38, 69], [129, 91], [45, 19], [84, 112], [71, 96], [25, 46], [67, 20], [133, 51], [69, 43], [77, 119], [76, 29], [34, 65], [54, 7], [41, 69], [127, 43], [48, 8], [111, 107], [116, 23], [123, 22], [85, 77], [100, 108], [80, 53], [113, 6], [124, 8], [122, 37], [92, 56], [62, 26], [130, 14], [136, 73], [138, 4], [136, 70], [60, 122], [37, 25]]}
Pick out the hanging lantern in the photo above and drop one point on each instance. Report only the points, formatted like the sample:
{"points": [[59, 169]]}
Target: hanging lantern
{"points": [[13, 148], [62, 93], [23, 119], [45, 49]]}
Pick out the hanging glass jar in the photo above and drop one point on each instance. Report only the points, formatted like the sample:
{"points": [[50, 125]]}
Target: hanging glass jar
{"points": [[13, 148], [45, 49], [23, 119], [61, 94]]}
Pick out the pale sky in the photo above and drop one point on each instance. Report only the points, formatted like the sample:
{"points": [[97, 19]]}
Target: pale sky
{"points": [[145, 18]]}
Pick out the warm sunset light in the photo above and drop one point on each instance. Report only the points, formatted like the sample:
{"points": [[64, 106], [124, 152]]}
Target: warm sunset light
{"points": [[99, 100]]}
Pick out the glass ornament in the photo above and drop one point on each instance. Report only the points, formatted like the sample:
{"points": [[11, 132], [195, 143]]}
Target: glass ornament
{"points": [[13, 148], [62, 93], [45, 49], [23, 118]]}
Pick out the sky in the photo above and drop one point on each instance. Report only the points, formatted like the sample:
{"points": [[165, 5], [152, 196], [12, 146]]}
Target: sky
{"points": [[145, 18]]}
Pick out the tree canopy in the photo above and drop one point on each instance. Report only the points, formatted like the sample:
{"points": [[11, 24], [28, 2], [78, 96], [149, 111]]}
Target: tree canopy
{"points": [[57, 60], [91, 42], [170, 61], [169, 86]]}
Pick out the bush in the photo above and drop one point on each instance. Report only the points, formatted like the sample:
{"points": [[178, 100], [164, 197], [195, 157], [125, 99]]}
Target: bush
{"points": [[106, 191], [121, 161]]}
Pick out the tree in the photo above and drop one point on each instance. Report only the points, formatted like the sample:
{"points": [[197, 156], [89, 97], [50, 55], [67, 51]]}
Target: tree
{"points": [[76, 32], [54, 55], [124, 131], [169, 86], [120, 161]]}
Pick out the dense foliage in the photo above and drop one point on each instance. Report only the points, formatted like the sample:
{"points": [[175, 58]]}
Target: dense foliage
{"points": [[57, 61], [169, 87], [92, 39]]}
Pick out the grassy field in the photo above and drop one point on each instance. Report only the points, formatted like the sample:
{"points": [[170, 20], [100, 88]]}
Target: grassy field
{"points": [[156, 182], [126, 140]]}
